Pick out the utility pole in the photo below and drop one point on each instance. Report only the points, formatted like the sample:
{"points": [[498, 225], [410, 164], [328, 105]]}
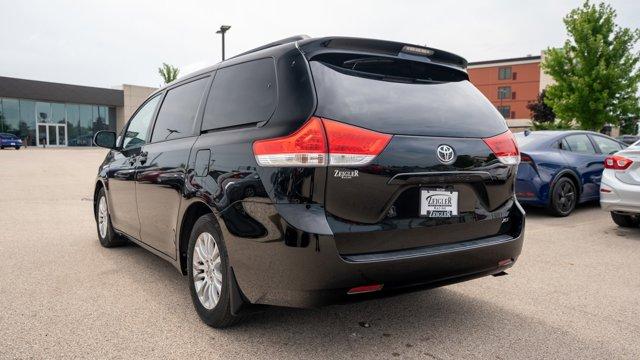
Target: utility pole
{"points": [[223, 29]]}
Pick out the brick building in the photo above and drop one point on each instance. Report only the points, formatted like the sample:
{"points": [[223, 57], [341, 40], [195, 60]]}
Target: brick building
{"points": [[510, 84]]}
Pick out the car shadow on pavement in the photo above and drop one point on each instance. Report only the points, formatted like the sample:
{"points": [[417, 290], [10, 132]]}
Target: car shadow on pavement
{"points": [[436, 323]]}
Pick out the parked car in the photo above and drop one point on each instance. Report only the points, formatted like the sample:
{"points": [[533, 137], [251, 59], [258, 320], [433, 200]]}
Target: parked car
{"points": [[628, 139], [620, 187], [10, 140], [310, 171], [560, 169]]}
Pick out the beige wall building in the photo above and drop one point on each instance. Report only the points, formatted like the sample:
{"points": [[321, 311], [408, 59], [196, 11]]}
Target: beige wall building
{"points": [[133, 96]]}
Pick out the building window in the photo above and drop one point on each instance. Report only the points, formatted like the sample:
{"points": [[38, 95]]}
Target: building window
{"points": [[504, 92], [505, 111], [504, 73]]}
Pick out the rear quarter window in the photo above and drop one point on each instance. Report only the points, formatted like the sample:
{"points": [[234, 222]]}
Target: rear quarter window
{"points": [[241, 94]]}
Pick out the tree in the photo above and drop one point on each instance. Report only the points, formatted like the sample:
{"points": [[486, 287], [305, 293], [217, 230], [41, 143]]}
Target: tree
{"points": [[540, 110], [595, 71], [169, 73]]}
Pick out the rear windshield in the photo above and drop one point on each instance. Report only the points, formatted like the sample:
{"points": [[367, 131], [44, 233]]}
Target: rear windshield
{"points": [[405, 97], [530, 139]]}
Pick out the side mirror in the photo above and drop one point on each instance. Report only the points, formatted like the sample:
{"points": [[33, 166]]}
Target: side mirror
{"points": [[105, 139]]}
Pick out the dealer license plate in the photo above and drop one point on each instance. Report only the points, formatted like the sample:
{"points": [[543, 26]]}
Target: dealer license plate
{"points": [[438, 203]]}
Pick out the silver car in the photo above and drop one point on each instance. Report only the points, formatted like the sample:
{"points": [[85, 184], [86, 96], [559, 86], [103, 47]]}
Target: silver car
{"points": [[620, 187]]}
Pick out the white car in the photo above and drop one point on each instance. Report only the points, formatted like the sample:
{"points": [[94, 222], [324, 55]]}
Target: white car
{"points": [[620, 186]]}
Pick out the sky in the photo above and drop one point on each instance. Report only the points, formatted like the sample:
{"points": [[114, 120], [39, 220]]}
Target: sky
{"points": [[109, 43]]}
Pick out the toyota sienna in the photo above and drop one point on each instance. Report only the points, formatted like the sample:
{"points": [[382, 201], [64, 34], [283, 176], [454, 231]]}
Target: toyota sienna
{"points": [[311, 171]]}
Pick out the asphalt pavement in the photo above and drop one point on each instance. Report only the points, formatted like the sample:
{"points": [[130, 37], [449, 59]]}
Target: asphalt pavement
{"points": [[573, 294]]}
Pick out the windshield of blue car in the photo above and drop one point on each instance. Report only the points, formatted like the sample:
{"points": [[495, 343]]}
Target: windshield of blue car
{"points": [[8, 136]]}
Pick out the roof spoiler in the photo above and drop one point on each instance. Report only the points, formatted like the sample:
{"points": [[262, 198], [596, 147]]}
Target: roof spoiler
{"points": [[312, 47], [275, 43]]}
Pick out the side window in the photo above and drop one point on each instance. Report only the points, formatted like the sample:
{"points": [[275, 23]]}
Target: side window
{"points": [[178, 111], [579, 144], [607, 146], [241, 94], [136, 134]]}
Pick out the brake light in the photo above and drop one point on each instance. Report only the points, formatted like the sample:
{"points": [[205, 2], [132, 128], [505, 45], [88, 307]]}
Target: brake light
{"points": [[351, 145], [617, 162], [504, 148], [322, 142], [305, 147]]}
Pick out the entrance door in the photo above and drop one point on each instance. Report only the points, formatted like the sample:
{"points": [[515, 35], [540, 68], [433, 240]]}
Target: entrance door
{"points": [[51, 134]]}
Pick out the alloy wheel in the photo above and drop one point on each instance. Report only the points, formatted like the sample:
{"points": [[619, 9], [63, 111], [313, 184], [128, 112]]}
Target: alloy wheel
{"points": [[103, 217], [565, 197], [207, 273]]}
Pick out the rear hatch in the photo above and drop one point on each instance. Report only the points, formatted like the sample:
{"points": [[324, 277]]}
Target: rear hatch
{"points": [[443, 176]]}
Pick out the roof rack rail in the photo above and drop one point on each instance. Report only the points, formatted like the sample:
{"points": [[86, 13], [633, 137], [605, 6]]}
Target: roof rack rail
{"points": [[275, 43]]}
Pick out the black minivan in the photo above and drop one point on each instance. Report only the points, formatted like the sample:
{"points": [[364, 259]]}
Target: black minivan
{"points": [[311, 171]]}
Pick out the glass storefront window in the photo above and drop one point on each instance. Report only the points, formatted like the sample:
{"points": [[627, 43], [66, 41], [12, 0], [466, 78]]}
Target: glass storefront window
{"points": [[27, 126], [43, 112], [57, 113], [73, 124], [20, 116], [86, 125], [11, 116], [100, 121]]}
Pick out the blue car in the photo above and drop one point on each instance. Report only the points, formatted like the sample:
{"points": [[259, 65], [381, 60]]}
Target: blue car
{"points": [[10, 140], [560, 169]]}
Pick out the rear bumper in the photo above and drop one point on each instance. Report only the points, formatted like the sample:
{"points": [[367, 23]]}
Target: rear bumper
{"points": [[622, 198], [316, 274]]}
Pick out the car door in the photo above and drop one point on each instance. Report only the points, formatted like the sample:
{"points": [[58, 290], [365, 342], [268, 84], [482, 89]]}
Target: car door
{"points": [[121, 173], [162, 164], [604, 147], [581, 155]]}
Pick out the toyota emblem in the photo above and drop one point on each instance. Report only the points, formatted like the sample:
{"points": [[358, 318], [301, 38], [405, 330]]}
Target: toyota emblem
{"points": [[446, 155]]}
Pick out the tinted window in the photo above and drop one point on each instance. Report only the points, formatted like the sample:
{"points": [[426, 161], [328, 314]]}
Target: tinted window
{"points": [[607, 146], [434, 109], [178, 111], [579, 143], [137, 132], [241, 94]]}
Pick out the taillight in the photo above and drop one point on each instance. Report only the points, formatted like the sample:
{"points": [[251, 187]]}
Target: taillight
{"points": [[504, 148], [305, 147], [351, 145], [617, 162], [322, 142]]}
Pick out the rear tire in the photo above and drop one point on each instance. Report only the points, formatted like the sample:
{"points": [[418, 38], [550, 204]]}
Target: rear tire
{"points": [[107, 236], [564, 197], [17, 147], [625, 220], [208, 272]]}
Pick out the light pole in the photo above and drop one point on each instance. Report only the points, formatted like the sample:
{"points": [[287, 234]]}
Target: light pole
{"points": [[223, 29]]}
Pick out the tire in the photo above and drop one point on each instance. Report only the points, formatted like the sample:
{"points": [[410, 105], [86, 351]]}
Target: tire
{"points": [[1, 147], [625, 220], [564, 197], [17, 147], [107, 236], [208, 271]]}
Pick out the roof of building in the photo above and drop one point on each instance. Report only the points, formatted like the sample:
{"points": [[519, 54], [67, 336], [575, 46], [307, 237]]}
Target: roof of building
{"points": [[49, 91], [498, 61]]}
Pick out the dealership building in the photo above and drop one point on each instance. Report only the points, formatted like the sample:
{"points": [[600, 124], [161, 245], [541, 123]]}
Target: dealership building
{"points": [[53, 114]]}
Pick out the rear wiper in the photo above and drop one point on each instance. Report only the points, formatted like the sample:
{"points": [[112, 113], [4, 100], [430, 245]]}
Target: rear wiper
{"points": [[355, 62]]}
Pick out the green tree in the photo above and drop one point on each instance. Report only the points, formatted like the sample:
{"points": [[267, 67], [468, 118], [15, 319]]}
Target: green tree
{"points": [[169, 73], [595, 71]]}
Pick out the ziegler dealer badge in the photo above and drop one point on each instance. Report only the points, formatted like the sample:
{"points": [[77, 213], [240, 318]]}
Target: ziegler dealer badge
{"points": [[438, 203]]}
